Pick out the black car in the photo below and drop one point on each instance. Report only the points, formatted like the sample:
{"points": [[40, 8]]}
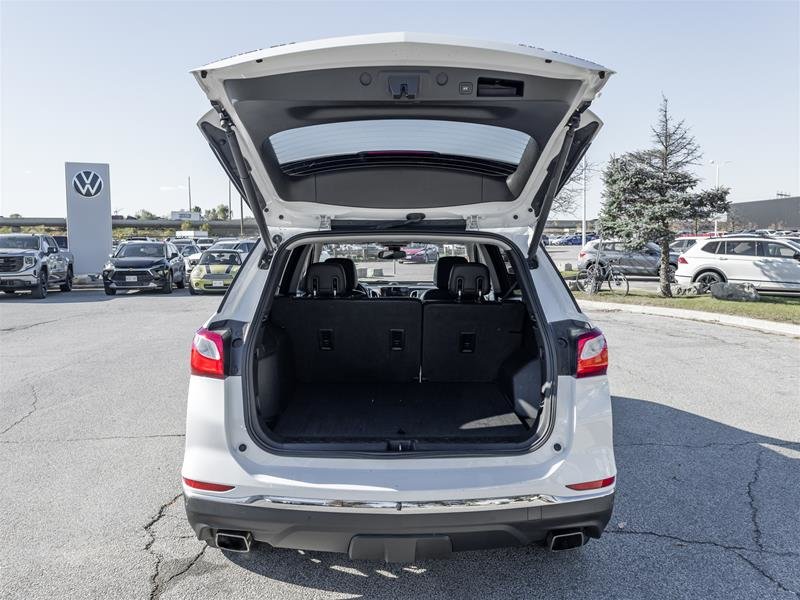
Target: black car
{"points": [[144, 266]]}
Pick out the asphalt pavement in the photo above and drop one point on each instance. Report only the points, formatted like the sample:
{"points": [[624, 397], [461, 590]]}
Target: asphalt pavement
{"points": [[707, 435]]}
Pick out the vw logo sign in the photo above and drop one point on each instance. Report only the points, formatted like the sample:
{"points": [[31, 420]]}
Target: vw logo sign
{"points": [[87, 183]]}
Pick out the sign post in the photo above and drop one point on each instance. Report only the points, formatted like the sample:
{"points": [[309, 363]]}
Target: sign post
{"points": [[88, 188]]}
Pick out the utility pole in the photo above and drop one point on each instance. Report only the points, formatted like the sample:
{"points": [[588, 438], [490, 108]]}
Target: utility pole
{"points": [[583, 218], [189, 187], [230, 216]]}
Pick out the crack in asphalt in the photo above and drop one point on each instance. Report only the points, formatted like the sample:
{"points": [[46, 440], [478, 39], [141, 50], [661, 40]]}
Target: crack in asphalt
{"points": [[97, 439], [766, 575], [28, 326], [26, 415], [757, 535], [148, 528], [160, 587], [737, 550]]}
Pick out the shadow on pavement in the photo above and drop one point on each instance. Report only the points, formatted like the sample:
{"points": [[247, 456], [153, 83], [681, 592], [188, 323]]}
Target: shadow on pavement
{"points": [[79, 296], [702, 510]]}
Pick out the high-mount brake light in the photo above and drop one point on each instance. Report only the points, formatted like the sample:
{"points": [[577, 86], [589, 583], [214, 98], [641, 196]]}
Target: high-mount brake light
{"points": [[208, 358], [592, 354]]}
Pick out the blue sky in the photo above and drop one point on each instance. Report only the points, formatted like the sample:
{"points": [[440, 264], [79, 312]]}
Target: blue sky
{"points": [[109, 82]]}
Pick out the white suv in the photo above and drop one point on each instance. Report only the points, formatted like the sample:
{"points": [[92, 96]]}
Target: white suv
{"points": [[423, 409], [770, 264]]}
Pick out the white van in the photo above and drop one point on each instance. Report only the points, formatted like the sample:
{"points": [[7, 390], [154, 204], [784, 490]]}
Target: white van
{"points": [[344, 400]]}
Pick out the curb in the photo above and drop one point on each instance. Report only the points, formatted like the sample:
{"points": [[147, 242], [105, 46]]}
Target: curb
{"points": [[697, 315]]}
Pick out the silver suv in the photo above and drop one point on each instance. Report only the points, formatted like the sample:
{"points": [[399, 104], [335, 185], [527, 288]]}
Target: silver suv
{"points": [[630, 262]]}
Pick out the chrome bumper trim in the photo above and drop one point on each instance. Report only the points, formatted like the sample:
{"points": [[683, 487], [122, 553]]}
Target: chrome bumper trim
{"points": [[424, 506]]}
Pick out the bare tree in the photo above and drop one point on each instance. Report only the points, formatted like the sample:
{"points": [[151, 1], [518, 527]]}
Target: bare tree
{"points": [[567, 200]]}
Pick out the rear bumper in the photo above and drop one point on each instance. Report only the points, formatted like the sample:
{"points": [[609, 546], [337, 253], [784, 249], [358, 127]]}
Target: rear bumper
{"points": [[397, 535]]}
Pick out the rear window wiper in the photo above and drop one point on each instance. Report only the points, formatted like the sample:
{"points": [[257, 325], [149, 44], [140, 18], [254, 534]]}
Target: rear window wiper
{"points": [[411, 219]]}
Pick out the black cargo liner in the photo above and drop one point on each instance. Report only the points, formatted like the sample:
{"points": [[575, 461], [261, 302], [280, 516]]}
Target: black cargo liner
{"points": [[429, 411]]}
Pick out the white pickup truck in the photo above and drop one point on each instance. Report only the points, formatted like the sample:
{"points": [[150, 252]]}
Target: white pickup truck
{"points": [[33, 262]]}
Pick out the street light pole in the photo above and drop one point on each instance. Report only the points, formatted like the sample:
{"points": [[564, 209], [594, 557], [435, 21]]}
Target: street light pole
{"points": [[189, 187], [241, 216], [583, 218], [717, 164], [230, 216]]}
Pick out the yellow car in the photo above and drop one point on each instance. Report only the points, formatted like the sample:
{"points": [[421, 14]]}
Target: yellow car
{"points": [[215, 271]]}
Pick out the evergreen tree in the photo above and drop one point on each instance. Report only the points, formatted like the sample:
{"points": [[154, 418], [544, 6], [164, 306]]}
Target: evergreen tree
{"points": [[646, 190]]}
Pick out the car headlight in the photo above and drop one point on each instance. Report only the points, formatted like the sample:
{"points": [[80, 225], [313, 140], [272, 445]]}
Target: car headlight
{"points": [[29, 261]]}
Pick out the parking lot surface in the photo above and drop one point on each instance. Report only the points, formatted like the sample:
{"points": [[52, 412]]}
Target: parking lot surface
{"points": [[707, 435]]}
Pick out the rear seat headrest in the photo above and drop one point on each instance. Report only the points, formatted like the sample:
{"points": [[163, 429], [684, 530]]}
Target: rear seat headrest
{"points": [[469, 280], [325, 279], [350, 271], [443, 268]]}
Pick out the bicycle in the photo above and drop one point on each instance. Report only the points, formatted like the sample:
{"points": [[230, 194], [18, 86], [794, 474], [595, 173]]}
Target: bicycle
{"points": [[592, 279]]}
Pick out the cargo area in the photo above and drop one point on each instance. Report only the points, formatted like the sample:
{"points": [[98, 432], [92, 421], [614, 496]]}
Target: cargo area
{"points": [[453, 364]]}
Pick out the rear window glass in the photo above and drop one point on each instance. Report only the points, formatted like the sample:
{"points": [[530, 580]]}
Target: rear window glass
{"points": [[711, 247], [417, 267], [403, 135]]}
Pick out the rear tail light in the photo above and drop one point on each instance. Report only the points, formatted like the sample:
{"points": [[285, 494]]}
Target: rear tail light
{"points": [[592, 485], [208, 355], [682, 261], [581, 254], [592, 354], [208, 487]]}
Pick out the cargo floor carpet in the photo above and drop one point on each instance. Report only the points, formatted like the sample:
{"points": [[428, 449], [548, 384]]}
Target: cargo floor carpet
{"points": [[414, 411]]}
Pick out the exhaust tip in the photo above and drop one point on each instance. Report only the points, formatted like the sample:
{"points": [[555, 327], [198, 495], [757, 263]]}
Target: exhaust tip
{"points": [[234, 541], [567, 540]]}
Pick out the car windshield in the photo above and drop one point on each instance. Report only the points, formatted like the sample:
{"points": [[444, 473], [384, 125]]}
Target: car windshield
{"points": [[19, 242], [417, 266], [225, 245], [140, 250], [215, 257], [189, 249]]}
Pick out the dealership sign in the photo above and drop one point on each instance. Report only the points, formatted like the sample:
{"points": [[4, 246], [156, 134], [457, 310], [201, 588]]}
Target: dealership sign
{"points": [[88, 214], [87, 183]]}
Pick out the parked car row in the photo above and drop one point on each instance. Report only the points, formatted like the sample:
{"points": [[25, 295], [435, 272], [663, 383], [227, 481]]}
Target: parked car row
{"points": [[571, 239], [771, 264], [159, 265]]}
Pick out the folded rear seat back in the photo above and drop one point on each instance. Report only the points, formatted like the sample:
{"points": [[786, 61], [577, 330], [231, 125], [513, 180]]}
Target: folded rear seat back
{"points": [[468, 338], [352, 339]]}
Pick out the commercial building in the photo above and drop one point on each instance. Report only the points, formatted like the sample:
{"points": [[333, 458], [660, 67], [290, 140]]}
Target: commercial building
{"points": [[772, 213]]}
